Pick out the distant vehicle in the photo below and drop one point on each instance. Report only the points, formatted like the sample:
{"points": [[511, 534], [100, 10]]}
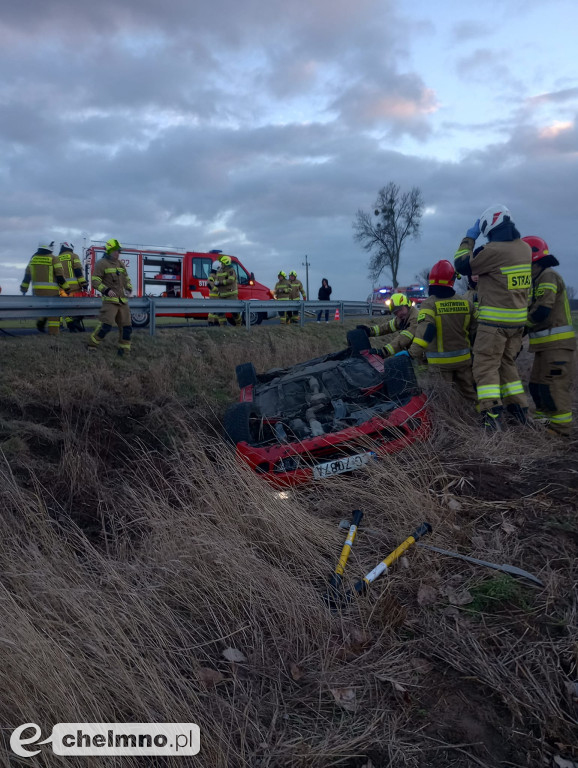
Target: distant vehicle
{"points": [[180, 274], [326, 416], [380, 299]]}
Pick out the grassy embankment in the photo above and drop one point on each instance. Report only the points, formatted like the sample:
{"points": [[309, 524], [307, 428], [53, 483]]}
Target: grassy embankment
{"points": [[134, 551]]}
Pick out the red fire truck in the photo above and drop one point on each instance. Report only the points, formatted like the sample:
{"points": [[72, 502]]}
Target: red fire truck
{"points": [[178, 273]]}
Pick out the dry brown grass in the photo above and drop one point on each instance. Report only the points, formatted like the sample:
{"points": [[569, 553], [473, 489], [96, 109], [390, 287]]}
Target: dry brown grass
{"points": [[135, 551]]}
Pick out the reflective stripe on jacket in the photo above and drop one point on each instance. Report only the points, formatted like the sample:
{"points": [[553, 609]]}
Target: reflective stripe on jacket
{"points": [[282, 290], [227, 279], [405, 330]]}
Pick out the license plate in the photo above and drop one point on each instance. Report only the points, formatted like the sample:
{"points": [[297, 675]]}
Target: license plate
{"points": [[338, 466]]}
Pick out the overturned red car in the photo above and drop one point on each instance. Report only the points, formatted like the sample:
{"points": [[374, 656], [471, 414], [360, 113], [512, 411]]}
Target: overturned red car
{"points": [[326, 416]]}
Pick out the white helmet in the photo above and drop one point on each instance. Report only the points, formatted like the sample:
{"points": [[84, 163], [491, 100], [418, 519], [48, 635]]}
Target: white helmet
{"points": [[492, 217], [216, 266], [45, 245]]}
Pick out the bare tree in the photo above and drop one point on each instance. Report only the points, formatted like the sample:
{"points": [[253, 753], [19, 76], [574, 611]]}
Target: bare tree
{"points": [[398, 217], [570, 292]]}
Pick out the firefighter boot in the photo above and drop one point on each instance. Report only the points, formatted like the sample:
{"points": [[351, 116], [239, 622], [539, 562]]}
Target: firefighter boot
{"points": [[72, 325], [519, 413], [41, 325], [492, 419]]}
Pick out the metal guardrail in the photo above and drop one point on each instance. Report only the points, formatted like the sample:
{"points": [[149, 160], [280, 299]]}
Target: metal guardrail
{"points": [[24, 307]]}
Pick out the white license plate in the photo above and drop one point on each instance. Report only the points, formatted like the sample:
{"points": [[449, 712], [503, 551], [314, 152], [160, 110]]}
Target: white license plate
{"points": [[346, 464]]}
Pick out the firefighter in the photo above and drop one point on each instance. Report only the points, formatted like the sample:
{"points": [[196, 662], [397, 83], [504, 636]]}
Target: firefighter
{"points": [[225, 283], [214, 293], [552, 340], [403, 325], [472, 293], [503, 267], [111, 279], [72, 270], [45, 272], [296, 290], [445, 322], [282, 292]]}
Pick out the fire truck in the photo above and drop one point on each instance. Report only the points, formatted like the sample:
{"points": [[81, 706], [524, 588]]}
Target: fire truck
{"points": [[178, 273], [380, 298]]}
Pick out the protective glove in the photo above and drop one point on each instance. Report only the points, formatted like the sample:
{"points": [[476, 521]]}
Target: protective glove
{"points": [[474, 231], [403, 353], [378, 352], [365, 328]]}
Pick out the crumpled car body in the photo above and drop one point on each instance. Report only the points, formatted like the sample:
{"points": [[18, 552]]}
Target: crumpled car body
{"points": [[326, 416]]}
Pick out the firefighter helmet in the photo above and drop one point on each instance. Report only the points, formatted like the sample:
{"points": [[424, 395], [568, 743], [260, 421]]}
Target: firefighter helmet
{"points": [[43, 245], [215, 266], [112, 245], [66, 247], [442, 273], [292, 273], [539, 247], [492, 217], [399, 300], [225, 260], [282, 274]]}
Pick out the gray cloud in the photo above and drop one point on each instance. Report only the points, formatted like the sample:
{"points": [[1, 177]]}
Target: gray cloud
{"points": [[259, 127]]}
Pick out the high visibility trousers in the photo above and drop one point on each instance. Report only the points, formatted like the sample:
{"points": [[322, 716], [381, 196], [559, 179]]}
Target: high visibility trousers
{"points": [[495, 372], [551, 384], [462, 378], [111, 313], [285, 316], [53, 323]]}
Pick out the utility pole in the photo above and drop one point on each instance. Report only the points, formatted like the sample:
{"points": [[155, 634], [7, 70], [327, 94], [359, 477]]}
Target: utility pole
{"points": [[306, 264]]}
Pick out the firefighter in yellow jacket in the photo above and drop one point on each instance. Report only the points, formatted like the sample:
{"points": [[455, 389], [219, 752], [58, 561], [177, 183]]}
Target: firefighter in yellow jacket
{"points": [[503, 267], [403, 325], [72, 270], [282, 292], [552, 340], [45, 272], [213, 318], [225, 283], [111, 279], [297, 290], [445, 322]]}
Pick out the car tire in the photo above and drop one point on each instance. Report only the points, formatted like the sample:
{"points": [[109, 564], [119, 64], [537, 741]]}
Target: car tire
{"points": [[140, 319], [237, 422], [246, 375], [358, 341], [400, 379]]}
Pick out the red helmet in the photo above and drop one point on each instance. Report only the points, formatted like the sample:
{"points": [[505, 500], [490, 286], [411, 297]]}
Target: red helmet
{"points": [[442, 273], [539, 247]]}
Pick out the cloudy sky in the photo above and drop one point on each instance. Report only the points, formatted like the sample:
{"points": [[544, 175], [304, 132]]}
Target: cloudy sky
{"points": [[261, 127]]}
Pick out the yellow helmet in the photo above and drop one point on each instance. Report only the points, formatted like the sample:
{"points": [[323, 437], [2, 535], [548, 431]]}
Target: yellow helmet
{"points": [[292, 273], [399, 300], [225, 260], [283, 274], [112, 245]]}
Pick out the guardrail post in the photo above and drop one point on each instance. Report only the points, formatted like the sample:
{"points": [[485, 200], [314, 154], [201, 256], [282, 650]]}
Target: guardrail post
{"points": [[302, 314], [153, 317], [248, 314], [341, 312]]}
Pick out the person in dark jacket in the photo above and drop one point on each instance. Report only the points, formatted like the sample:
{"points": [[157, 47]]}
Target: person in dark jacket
{"points": [[324, 295]]}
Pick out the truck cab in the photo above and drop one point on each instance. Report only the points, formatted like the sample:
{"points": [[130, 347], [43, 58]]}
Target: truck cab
{"points": [[179, 274]]}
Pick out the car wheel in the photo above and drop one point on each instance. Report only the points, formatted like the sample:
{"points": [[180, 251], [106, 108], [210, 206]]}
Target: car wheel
{"points": [[242, 423], [246, 375], [140, 319], [400, 379], [358, 341]]}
